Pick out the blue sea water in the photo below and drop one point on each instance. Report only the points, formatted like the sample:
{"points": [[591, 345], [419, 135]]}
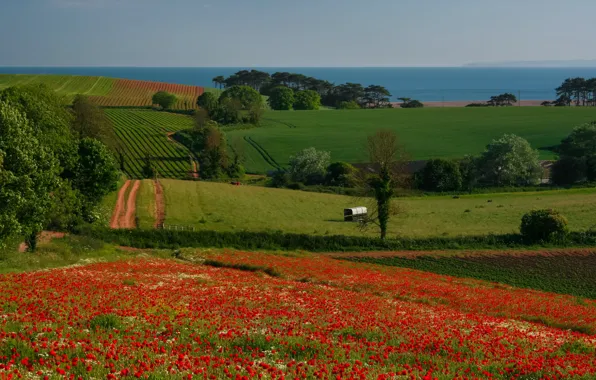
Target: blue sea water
{"points": [[424, 83]]}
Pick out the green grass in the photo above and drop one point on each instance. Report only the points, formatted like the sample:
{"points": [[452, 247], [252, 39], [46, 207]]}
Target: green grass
{"points": [[143, 133], [552, 272], [67, 85], [223, 207], [425, 133], [145, 206]]}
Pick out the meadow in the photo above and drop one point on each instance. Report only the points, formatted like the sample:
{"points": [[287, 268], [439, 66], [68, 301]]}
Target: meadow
{"points": [[233, 314], [424, 133], [224, 207]]}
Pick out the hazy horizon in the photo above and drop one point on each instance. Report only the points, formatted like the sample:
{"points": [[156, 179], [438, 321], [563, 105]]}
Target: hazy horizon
{"points": [[311, 33]]}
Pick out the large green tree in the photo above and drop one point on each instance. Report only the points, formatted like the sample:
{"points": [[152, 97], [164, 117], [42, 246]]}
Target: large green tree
{"points": [[509, 161], [208, 101], [281, 98], [28, 175], [309, 165], [245, 95], [307, 100], [440, 175], [164, 99], [91, 122]]}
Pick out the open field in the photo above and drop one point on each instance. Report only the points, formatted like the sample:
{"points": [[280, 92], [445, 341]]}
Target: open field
{"points": [[565, 271], [109, 91], [425, 133], [143, 134], [223, 207], [252, 315]]}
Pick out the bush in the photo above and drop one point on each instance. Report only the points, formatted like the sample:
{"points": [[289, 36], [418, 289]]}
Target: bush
{"points": [[280, 179], [412, 104], [568, 170], [164, 99], [307, 100], [308, 163], [246, 96], [351, 105], [281, 98], [341, 174], [472, 105], [441, 175], [543, 225], [208, 101]]}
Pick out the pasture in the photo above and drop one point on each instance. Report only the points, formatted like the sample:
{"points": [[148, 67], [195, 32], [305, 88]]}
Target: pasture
{"points": [[110, 92], [143, 136], [223, 207], [424, 133]]}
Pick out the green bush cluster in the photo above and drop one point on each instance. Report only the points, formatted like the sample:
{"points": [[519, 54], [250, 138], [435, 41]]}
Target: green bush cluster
{"points": [[543, 225]]}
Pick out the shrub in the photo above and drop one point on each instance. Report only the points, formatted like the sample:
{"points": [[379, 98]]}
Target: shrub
{"points": [[281, 98], [164, 99], [245, 95], [543, 225], [473, 105], [307, 100], [208, 101], [412, 104], [280, 179], [351, 105], [441, 175], [568, 170], [307, 163], [341, 174]]}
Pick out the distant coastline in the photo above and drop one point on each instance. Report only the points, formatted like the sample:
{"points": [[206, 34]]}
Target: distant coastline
{"points": [[553, 64]]}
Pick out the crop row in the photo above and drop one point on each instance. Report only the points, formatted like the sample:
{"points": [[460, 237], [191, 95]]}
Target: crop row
{"points": [[144, 136]]}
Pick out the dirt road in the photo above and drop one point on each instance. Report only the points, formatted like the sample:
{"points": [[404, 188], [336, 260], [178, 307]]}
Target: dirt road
{"points": [[160, 205], [125, 210]]}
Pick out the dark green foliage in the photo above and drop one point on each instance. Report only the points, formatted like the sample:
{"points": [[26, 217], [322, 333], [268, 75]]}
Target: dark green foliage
{"points": [[208, 101], [502, 100], [164, 99], [568, 170], [440, 175], [245, 95], [209, 145], [104, 321], [565, 274], [280, 179], [307, 100], [376, 96], [67, 208], [91, 122], [411, 103], [543, 225], [341, 174], [148, 170], [168, 239], [97, 171], [477, 105], [244, 267], [581, 142], [227, 112], [281, 98]]}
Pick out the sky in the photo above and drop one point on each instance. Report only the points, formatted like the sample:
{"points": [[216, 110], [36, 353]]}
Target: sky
{"points": [[292, 33]]}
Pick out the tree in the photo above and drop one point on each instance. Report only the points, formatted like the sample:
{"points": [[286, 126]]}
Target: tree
{"points": [[164, 99], [341, 174], [28, 175], [468, 168], [505, 99], [376, 97], [390, 164], [307, 100], [410, 103], [581, 142], [509, 161], [441, 175], [208, 101], [219, 81], [246, 96], [568, 170], [309, 165], [97, 172], [90, 121], [281, 98], [227, 111]]}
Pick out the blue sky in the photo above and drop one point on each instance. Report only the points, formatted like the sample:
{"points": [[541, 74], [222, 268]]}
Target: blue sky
{"points": [[292, 32]]}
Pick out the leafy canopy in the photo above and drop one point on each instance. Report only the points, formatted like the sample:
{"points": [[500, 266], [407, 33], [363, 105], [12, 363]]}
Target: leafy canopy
{"points": [[307, 100], [281, 98], [164, 99], [307, 164]]}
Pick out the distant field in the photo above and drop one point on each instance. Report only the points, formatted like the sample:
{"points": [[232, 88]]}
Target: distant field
{"points": [[223, 207], [425, 133], [143, 134], [109, 91]]}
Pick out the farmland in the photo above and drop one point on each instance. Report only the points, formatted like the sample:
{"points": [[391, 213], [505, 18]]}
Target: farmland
{"points": [[425, 133], [143, 134], [251, 315], [108, 91], [223, 207]]}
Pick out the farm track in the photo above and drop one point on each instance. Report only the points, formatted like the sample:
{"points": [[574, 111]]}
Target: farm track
{"points": [[120, 206], [131, 205], [266, 156], [160, 205]]}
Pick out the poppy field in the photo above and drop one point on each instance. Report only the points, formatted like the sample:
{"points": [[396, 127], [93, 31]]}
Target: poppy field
{"points": [[243, 315]]}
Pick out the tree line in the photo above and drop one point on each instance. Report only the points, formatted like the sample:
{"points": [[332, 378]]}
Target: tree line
{"points": [[56, 162], [576, 91], [345, 95]]}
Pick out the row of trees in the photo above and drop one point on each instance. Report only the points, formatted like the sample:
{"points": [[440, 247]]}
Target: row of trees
{"points": [[577, 91], [54, 170], [237, 104], [373, 96], [285, 98]]}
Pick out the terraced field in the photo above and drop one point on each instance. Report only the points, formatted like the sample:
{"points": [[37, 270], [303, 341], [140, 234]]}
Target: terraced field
{"points": [[109, 91], [143, 135]]}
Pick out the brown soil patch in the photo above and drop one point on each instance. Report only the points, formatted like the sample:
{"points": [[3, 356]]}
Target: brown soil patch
{"points": [[195, 169], [160, 207], [131, 206], [118, 214]]}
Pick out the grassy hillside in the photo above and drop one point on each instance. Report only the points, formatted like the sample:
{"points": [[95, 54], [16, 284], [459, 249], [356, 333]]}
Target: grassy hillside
{"points": [[425, 133], [109, 91], [144, 134], [223, 207]]}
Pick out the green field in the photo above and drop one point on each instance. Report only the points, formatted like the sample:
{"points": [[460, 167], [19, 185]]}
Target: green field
{"points": [[223, 207], [67, 85], [425, 133], [143, 134]]}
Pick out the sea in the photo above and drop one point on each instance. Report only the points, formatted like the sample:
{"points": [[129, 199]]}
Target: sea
{"points": [[422, 83]]}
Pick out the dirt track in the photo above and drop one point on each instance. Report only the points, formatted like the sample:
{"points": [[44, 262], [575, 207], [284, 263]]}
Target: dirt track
{"points": [[125, 210], [160, 207]]}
